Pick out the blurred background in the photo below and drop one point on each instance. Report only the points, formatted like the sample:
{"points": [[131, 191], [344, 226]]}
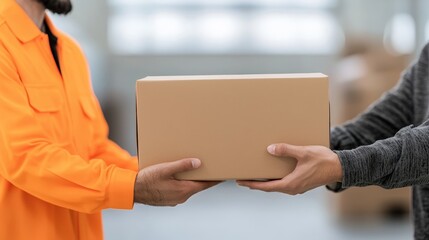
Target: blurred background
{"points": [[362, 45]]}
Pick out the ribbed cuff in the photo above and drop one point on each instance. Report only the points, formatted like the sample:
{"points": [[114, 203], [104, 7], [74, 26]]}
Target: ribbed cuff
{"points": [[335, 187], [338, 186], [121, 189], [353, 170]]}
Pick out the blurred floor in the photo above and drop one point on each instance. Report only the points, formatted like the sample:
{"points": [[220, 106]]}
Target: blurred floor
{"points": [[230, 212]]}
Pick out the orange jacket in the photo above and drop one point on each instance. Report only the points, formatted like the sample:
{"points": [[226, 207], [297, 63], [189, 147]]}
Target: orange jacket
{"points": [[58, 169]]}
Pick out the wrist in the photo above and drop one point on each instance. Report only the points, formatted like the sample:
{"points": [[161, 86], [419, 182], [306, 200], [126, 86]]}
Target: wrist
{"points": [[337, 169], [139, 187]]}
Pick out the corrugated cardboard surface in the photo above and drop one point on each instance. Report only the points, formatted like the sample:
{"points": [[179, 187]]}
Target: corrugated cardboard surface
{"points": [[228, 121]]}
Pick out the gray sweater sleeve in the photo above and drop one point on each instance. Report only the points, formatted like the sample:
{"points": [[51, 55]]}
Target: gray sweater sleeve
{"points": [[381, 120], [381, 147]]}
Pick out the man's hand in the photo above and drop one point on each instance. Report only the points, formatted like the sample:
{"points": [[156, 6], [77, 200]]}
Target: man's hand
{"points": [[155, 185], [316, 166]]}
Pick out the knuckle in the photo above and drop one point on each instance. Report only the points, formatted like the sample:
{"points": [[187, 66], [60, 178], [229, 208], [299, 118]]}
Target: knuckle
{"points": [[185, 191], [253, 187], [157, 196], [294, 192], [281, 149], [293, 188], [156, 170], [153, 174], [184, 199], [290, 192], [304, 153], [311, 151], [302, 191], [187, 164], [161, 172]]}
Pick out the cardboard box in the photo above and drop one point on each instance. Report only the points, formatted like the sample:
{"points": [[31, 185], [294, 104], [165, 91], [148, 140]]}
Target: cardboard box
{"points": [[378, 71], [228, 121], [372, 202]]}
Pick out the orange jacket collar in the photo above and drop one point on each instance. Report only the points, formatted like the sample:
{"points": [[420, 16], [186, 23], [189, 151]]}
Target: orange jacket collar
{"points": [[19, 22]]}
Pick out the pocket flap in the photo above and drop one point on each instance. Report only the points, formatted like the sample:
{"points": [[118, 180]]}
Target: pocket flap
{"points": [[45, 99], [87, 105]]}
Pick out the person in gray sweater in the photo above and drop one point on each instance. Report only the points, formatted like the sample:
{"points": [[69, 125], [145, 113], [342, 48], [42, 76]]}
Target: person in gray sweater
{"points": [[387, 145]]}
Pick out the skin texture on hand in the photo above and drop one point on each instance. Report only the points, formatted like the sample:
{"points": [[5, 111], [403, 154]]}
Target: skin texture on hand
{"points": [[316, 166], [156, 185]]}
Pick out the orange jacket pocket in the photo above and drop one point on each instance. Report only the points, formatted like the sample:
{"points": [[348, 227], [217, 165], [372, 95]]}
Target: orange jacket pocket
{"points": [[44, 99], [87, 104]]}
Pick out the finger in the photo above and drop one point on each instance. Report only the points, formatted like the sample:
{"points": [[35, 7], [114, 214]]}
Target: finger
{"points": [[200, 186], [192, 187], [270, 186], [187, 164], [285, 150]]}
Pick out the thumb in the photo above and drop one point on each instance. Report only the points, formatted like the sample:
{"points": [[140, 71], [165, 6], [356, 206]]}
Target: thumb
{"points": [[285, 150], [182, 165]]}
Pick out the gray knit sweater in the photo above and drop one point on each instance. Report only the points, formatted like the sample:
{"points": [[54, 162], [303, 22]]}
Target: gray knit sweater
{"points": [[388, 145]]}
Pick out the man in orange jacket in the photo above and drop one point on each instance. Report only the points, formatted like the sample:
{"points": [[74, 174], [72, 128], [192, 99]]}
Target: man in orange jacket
{"points": [[58, 169]]}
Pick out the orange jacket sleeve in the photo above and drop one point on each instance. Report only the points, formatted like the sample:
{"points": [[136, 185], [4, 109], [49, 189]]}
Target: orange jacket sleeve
{"points": [[105, 149], [44, 169]]}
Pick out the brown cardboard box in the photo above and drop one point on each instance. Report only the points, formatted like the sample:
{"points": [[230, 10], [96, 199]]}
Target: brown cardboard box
{"points": [[372, 202], [227, 121], [379, 72]]}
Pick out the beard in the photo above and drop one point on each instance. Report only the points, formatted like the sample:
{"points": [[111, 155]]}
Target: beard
{"points": [[57, 6]]}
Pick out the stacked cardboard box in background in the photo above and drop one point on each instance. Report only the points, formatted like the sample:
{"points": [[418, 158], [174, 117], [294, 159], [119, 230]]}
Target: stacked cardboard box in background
{"points": [[365, 72]]}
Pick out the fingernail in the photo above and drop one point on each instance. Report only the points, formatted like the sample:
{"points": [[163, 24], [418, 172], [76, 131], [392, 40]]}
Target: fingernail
{"points": [[196, 163], [271, 149]]}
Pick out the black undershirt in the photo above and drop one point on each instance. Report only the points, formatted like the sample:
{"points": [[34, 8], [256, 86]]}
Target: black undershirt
{"points": [[53, 45]]}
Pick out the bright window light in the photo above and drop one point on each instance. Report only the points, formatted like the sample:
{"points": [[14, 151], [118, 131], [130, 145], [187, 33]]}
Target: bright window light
{"points": [[169, 30], [296, 32], [224, 26], [400, 34], [219, 31], [267, 3], [128, 33]]}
